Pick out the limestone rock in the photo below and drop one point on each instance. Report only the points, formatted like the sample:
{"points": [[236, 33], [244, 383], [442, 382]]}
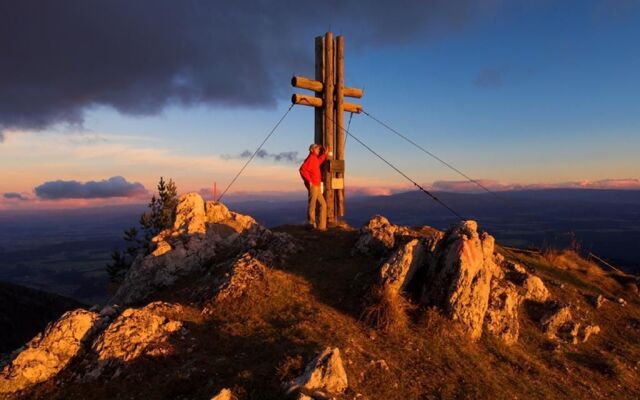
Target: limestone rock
{"points": [[194, 241], [459, 276], [137, 332], [400, 267], [216, 212], [49, 352], [558, 321], [243, 271], [162, 247], [325, 372], [501, 319], [163, 267], [535, 289], [190, 214], [377, 236], [225, 394]]}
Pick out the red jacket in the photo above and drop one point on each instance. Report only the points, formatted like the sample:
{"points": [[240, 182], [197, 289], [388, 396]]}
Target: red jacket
{"points": [[310, 169]]}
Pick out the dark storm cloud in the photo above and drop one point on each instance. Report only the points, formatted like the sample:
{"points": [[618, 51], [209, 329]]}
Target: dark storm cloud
{"points": [[59, 58], [284, 156], [15, 196], [489, 78], [116, 186]]}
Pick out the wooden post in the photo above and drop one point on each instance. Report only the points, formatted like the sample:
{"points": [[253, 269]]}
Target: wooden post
{"points": [[340, 133], [329, 119], [328, 100], [319, 112]]}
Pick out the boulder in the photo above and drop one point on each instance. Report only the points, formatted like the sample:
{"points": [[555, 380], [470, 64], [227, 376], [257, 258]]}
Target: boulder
{"points": [[137, 332], [401, 266], [535, 289], [501, 319], [459, 276], [49, 352], [325, 372]]}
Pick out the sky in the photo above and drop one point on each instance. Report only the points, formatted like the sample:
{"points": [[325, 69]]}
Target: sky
{"points": [[98, 100]]}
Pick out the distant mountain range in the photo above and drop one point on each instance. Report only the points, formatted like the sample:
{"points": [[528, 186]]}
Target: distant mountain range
{"points": [[64, 251], [605, 222]]}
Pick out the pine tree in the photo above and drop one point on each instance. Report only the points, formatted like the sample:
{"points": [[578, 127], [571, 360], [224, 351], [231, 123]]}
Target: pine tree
{"points": [[160, 216]]}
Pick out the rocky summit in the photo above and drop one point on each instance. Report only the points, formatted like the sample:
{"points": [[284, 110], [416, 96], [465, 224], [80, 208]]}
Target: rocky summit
{"points": [[224, 308]]}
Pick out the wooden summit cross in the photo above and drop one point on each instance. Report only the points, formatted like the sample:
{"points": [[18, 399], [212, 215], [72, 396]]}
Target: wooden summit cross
{"points": [[329, 115]]}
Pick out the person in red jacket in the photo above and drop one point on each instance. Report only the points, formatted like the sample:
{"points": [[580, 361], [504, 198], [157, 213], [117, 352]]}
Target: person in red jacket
{"points": [[312, 176]]}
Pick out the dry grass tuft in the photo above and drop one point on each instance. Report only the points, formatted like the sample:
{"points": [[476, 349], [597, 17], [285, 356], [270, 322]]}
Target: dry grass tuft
{"points": [[387, 310], [571, 260]]}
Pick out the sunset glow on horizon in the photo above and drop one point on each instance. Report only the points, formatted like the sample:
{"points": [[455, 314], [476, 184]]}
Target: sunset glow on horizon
{"points": [[518, 97]]}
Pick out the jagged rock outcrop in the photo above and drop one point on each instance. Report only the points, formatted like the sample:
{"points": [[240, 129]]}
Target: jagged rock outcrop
{"points": [[459, 276], [396, 273], [324, 373], [200, 232], [244, 271], [463, 275], [49, 352], [137, 332], [377, 237]]}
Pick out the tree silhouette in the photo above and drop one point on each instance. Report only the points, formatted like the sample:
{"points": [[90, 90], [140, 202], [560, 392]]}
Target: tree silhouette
{"points": [[160, 216]]}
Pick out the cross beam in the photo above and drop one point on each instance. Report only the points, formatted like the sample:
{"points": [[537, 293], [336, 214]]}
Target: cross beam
{"points": [[328, 100]]}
